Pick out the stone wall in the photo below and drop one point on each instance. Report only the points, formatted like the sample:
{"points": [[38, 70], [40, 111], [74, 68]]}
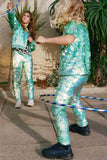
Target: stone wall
{"points": [[5, 47], [45, 57]]}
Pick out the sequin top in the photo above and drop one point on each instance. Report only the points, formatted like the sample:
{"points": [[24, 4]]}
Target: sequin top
{"points": [[20, 36], [75, 58]]}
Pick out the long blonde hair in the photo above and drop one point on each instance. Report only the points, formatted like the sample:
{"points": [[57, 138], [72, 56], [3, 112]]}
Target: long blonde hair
{"points": [[66, 11]]}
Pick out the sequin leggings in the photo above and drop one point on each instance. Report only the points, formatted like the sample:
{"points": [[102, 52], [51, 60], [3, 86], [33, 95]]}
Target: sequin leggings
{"points": [[22, 61], [68, 92]]}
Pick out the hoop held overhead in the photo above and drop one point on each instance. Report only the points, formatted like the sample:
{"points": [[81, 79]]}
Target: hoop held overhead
{"points": [[11, 9]]}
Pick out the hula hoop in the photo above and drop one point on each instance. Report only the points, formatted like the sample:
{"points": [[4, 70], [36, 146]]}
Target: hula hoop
{"points": [[84, 108], [11, 9]]}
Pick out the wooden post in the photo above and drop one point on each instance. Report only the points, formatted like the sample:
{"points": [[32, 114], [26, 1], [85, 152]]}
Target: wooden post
{"points": [[10, 77], [35, 4]]}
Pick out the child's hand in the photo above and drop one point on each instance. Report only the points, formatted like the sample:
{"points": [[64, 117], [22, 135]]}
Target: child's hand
{"points": [[30, 39], [9, 6], [41, 39]]}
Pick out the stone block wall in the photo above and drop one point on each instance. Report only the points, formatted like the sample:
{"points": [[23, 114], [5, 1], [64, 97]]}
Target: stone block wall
{"points": [[45, 59]]}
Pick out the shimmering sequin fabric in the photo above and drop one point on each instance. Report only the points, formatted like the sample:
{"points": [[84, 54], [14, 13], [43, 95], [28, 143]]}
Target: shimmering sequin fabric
{"points": [[74, 69], [22, 61], [68, 92], [21, 57], [75, 58]]}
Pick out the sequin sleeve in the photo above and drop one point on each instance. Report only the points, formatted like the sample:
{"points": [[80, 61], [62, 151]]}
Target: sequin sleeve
{"points": [[12, 20], [32, 46], [71, 28]]}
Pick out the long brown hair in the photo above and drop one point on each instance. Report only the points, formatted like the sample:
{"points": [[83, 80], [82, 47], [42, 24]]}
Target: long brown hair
{"points": [[31, 26]]}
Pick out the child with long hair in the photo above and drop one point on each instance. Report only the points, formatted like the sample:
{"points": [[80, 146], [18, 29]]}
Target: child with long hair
{"points": [[23, 43], [74, 68]]}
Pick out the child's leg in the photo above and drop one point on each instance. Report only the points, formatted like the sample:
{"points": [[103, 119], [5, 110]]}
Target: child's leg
{"points": [[28, 75], [59, 112], [65, 91], [79, 113], [17, 72]]}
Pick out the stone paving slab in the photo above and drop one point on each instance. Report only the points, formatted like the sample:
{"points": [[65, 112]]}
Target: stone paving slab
{"points": [[97, 103], [22, 152], [90, 153], [29, 116], [25, 132]]}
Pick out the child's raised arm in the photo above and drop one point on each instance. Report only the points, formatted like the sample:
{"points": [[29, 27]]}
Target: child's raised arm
{"points": [[11, 16]]}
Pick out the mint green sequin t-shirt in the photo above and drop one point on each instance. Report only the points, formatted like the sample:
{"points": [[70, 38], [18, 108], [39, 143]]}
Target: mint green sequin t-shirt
{"points": [[75, 58]]}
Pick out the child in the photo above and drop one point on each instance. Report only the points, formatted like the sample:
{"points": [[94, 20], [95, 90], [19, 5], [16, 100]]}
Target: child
{"points": [[22, 45], [73, 69]]}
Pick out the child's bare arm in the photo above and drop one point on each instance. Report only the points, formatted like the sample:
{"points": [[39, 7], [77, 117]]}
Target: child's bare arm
{"points": [[61, 40]]}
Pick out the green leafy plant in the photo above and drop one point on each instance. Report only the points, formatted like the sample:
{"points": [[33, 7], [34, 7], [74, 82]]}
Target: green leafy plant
{"points": [[52, 7], [96, 18], [42, 83], [35, 14], [53, 79]]}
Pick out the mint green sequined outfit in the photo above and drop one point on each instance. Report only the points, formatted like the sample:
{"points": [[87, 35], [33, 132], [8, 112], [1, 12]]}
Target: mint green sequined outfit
{"points": [[74, 69], [21, 60]]}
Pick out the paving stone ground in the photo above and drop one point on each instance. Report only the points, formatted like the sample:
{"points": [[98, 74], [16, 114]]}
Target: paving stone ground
{"points": [[25, 132]]}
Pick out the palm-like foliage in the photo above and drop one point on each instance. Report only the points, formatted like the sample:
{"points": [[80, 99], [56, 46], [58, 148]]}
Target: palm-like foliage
{"points": [[96, 18], [35, 14], [52, 7]]}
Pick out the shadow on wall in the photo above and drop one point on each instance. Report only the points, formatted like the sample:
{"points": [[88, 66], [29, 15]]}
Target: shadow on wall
{"points": [[5, 59], [47, 55], [45, 59]]}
